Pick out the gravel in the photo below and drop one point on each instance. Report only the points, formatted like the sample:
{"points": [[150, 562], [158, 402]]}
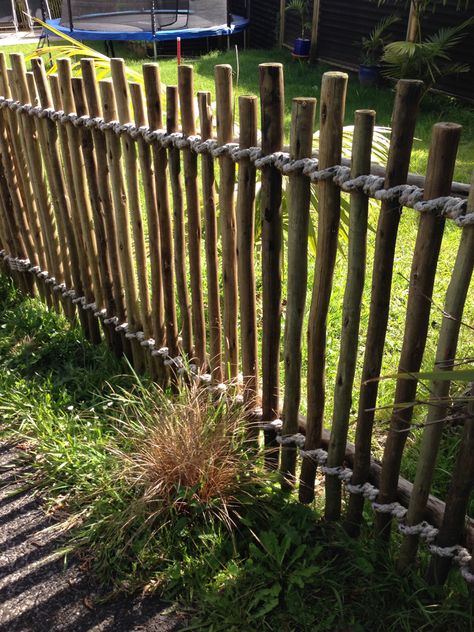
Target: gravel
{"points": [[38, 591]]}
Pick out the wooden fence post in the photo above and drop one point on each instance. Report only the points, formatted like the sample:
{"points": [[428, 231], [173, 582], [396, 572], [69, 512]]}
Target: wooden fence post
{"points": [[178, 224], [299, 196], [49, 144], [117, 306], [9, 149], [79, 265], [122, 218], [441, 163], [35, 167], [29, 218], [211, 240], [146, 169], [332, 106], [246, 250], [94, 293], [188, 126], [457, 500], [93, 175], [272, 124], [356, 265], [439, 390], [225, 127], [132, 213], [403, 127], [151, 76]]}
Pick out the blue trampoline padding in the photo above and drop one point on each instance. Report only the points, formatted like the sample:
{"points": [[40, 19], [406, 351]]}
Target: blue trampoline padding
{"points": [[238, 24]]}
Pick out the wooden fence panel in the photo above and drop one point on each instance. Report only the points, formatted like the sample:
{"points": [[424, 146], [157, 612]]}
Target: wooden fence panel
{"points": [[91, 214]]}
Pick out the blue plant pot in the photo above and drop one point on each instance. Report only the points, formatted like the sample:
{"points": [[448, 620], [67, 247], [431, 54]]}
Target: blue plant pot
{"points": [[301, 47], [369, 75]]}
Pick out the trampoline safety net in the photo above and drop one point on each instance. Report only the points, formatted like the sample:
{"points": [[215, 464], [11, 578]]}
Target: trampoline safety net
{"points": [[142, 15]]}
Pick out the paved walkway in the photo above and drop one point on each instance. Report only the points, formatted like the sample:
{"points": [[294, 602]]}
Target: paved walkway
{"points": [[22, 37], [37, 592]]}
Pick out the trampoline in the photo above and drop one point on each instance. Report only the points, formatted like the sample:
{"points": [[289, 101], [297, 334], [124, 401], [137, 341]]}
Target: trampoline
{"points": [[152, 20]]}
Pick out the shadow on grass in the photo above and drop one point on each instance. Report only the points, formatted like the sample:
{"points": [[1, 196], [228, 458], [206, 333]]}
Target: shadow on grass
{"points": [[39, 346]]}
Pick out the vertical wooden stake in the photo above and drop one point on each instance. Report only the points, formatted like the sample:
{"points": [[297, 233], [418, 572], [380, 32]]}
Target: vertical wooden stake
{"points": [[178, 225], [151, 77], [94, 293], [130, 156], [403, 127], [120, 203], [188, 124], [156, 324], [211, 240], [224, 102], [457, 501], [333, 97], [272, 101], [357, 262], [246, 251], [115, 304], [80, 273], [439, 390], [299, 195], [439, 174]]}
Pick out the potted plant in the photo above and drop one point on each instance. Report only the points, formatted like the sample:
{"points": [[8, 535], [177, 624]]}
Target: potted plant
{"points": [[302, 44], [373, 47]]}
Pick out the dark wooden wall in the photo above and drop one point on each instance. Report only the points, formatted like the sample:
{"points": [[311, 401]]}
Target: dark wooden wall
{"points": [[343, 24]]}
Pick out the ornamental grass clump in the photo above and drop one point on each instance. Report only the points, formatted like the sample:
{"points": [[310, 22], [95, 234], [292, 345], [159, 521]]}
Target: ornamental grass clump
{"points": [[187, 454]]}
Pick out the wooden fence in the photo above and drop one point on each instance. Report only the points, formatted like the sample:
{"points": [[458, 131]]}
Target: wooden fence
{"points": [[145, 232]]}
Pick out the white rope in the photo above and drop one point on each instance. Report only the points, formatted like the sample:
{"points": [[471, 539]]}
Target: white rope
{"points": [[424, 530], [373, 186]]}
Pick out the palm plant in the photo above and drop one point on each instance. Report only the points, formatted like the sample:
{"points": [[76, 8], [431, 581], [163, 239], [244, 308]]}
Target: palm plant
{"points": [[373, 45], [300, 7], [428, 59]]}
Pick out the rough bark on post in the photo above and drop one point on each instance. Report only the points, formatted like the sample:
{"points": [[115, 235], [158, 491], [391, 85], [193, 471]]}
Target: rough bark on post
{"points": [[272, 101], [35, 166], [246, 250], [79, 265], [157, 324], [299, 196], [211, 240], [152, 81], [462, 482], [188, 127], [117, 307], [49, 141], [332, 106], [142, 317], [439, 389], [93, 174], [356, 264], [94, 293], [225, 126], [403, 127], [440, 169], [178, 224], [122, 218], [32, 236]]}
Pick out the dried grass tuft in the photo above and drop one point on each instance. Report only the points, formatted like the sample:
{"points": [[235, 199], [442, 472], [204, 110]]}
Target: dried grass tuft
{"points": [[187, 453]]}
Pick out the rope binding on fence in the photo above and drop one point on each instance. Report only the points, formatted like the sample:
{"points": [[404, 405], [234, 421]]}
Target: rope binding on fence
{"points": [[423, 530], [404, 195]]}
